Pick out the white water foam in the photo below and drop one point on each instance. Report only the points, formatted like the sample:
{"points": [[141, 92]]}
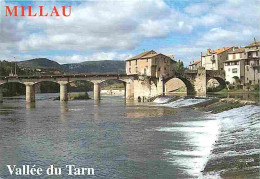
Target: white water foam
{"points": [[199, 136], [161, 100], [186, 102], [239, 126]]}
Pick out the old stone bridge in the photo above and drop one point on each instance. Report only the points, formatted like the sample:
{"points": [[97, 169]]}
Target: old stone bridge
{"points": [[136, 87]]}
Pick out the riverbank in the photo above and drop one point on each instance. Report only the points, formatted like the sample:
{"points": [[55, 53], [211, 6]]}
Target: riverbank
{"points": [[217, 105]]}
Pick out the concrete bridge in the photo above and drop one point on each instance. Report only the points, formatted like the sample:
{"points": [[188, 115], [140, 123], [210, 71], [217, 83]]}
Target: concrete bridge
{"points": [[137, 87], [64, 80]]}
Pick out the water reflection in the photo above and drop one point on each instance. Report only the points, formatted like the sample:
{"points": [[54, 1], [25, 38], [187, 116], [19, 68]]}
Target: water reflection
{"points": [[30, 105], [63, 109], [146, 112], [96, 103]]}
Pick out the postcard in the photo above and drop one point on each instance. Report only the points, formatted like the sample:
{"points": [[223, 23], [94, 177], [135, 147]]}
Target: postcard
{"points": [[156, 89]]}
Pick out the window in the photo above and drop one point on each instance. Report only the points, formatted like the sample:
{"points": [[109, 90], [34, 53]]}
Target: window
{"points": [[235, 63], [129, 70], [247, 68], [135, 62], [240, 54], [256, 54], [145, 71], [234, 56], [129, 63], [159, 69], [147, 60], [136, 69], [228, 69], [164, 68], [234, 70]]}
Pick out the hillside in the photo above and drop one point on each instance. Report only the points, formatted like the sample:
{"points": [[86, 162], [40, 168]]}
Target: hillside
{"points": [[40, 63], [105, 66]]}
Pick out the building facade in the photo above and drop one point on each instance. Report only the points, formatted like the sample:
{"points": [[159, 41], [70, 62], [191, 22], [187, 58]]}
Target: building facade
{"points": [[152, 68], [214, 59], [195, 65], [243, 63], [150, 64], [235, 66], [252, 63]]}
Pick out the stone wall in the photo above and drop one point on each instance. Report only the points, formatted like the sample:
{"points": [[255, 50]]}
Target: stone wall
{"points": [[200, 82]]}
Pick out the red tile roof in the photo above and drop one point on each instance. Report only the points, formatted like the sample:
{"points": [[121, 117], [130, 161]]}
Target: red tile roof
{"points": [[254, 44], [220, 50], [195, 62]]}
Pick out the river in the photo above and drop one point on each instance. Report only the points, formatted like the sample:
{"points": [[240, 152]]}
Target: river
{"points": [[117, 139]]}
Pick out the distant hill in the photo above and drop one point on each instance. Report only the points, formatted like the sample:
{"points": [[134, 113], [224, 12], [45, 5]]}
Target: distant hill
{"points": [[105, 66], [40, 63]]}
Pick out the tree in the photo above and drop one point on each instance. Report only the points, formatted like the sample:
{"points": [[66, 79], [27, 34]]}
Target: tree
{"points": [[179, 68]]}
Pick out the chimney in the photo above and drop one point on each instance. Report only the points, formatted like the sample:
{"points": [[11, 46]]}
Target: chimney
{"points": [[254, 39]]}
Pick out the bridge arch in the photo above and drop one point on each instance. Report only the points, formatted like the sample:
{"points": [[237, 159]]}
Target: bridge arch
{"points": [[46, 86], [80, 85], [175, 83], [12, 88], [215, 84]]}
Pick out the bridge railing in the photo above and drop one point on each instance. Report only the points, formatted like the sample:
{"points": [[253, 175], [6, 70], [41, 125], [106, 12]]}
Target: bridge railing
{"points": [[64, 76]]}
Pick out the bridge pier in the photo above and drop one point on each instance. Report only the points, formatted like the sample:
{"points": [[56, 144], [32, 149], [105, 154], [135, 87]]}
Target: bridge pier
{"points": [[30, 92], [96, 91], [128, 91], [1, 94], [63, 91], [160, 87]]}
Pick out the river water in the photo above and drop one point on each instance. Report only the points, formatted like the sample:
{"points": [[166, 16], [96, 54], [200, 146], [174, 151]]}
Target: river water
{"points": [[117, 139]]}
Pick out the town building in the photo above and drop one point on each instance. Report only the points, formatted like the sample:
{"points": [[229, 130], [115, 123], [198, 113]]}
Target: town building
{"points": [[152, 69], [252, 63], [243, 64], [214, 59], [195, 65], [150, 64], [235, 66]]}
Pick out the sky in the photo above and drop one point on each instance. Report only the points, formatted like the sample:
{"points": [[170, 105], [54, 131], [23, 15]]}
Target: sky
{"points": [[120, 29]]}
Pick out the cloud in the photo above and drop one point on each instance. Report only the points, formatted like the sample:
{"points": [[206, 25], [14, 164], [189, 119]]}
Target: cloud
{"points": [[93, 57], [103, 26], [104, 29], [197, 8], [9, 32], [234, 36]]}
